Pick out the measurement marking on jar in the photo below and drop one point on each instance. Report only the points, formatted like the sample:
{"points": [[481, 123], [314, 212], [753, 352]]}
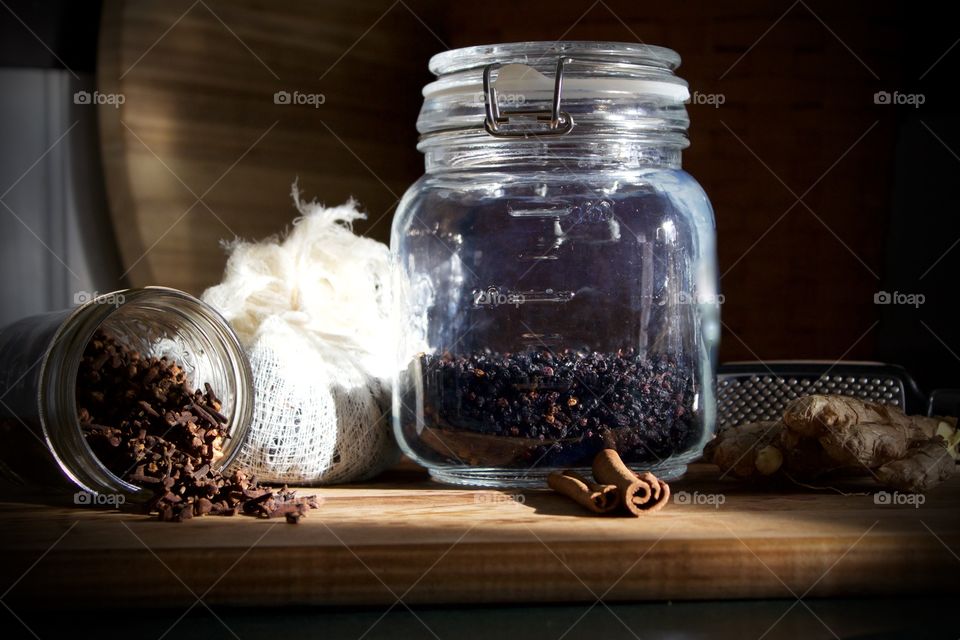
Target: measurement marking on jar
{"points": [[552, 211], [494, 296], [548, 295], [542, 339], [527, 256]]}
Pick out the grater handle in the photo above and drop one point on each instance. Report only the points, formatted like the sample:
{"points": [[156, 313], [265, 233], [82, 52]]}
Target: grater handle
{"points": [[944, 402]]}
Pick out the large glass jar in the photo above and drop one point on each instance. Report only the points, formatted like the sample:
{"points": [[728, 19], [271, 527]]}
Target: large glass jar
{"points": [[555, 268]]}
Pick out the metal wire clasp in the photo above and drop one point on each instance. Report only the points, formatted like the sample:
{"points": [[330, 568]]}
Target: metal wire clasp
{"points": [[559, 122]]}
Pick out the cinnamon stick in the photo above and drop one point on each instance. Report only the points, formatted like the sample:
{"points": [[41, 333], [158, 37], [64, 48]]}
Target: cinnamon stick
{"points": [[639, 494], [598, 498]]}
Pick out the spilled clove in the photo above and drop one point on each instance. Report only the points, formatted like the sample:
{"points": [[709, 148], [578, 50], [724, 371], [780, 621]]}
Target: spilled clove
{"points": [[146, 425]]}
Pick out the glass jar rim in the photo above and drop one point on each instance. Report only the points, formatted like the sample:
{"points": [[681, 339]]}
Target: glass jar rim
{"points": [[456, 60], [58, 373], [589, 90]]}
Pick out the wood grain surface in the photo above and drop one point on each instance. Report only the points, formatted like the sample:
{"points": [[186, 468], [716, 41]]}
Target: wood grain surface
{"points": [[406, 537], [199, 151]]}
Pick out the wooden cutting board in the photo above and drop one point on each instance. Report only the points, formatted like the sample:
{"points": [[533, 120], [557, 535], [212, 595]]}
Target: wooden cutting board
{"points": [[405, 537]]}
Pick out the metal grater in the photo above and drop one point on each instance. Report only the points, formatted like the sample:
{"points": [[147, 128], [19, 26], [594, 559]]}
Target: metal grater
{"points": [[755, 391]]}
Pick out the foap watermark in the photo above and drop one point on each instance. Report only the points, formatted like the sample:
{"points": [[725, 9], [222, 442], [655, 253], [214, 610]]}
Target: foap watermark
{"points": [[504, 99], [299, 98], [897, 499], [686, 297], [896, 98], [714, 100], [484, 497], [494, 297], [89, 499], [95, 97], [714, 500], [114, 299], [898, 297]]}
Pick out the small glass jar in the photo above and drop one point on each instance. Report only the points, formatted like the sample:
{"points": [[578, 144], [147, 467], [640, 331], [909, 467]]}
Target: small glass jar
{"points": [[555, 268], [43, 444]]}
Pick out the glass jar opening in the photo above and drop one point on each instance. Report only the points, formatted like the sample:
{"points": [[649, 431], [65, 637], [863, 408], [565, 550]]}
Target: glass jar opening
{"points": [[553, 101], [466, 58], [154, 322]]}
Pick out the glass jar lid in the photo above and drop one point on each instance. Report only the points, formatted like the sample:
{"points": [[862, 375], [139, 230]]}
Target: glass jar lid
{"points": [[556, 88]]}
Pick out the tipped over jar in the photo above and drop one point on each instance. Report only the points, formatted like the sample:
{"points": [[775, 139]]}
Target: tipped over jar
{"points": [[555, 268], [53, 400]]}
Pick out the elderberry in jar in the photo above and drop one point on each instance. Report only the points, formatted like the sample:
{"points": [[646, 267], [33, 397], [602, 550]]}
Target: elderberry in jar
{"points": [[555, 268]]}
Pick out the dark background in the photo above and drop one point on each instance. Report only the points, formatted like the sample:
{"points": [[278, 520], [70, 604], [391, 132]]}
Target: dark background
{"points": [[878, 182]]}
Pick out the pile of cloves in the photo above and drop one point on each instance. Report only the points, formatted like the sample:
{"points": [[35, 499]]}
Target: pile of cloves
{"points": [[145, 424]]}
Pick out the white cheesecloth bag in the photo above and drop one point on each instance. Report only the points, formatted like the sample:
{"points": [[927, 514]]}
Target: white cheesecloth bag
{"points": [[312, 309]]}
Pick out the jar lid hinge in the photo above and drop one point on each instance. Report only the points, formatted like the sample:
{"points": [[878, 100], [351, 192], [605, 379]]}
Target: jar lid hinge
{"points": [[559, 122]]}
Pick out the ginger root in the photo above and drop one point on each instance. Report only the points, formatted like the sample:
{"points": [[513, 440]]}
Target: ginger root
{"points": [[856, 432], [924, 467], [738, 450], [822, 436]]}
